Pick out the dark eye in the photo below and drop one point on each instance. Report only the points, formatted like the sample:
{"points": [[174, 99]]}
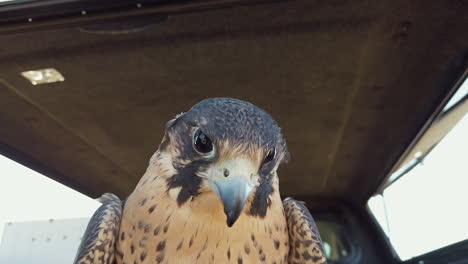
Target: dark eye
{"points": [[270, 155], [202, 143]]}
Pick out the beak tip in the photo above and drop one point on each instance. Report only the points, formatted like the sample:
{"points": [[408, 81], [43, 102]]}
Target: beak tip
{"points": [[231, 218]]}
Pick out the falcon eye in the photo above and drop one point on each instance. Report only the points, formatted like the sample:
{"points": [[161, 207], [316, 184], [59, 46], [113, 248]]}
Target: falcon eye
{"points": [[202, 143], [270, 156]]}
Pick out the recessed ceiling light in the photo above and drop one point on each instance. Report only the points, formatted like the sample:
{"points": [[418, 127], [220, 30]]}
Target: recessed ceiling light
{"points": [[49, 75]]}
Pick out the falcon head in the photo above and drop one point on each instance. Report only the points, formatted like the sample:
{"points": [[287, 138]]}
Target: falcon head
{"points": [[224, 147]]}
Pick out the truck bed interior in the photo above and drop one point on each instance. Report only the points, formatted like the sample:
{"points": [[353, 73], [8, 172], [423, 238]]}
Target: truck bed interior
{"points": [[352, 84]]}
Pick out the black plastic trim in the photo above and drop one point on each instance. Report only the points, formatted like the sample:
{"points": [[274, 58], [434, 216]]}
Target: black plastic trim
{"points": [[453, 254], [53, 14]]}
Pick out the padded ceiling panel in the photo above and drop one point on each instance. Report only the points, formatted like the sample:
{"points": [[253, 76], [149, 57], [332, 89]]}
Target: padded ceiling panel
{"points": [[349, 83]]}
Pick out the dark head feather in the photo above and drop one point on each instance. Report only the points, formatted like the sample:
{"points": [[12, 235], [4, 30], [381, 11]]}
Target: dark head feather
{"points": [[225, 119]]}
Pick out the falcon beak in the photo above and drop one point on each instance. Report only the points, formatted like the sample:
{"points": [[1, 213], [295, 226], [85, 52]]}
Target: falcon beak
{"points": [[233, 185], [234, 195]]}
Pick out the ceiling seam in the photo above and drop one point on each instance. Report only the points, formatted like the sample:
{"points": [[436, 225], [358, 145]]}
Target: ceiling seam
{"points": [[346, 113]]}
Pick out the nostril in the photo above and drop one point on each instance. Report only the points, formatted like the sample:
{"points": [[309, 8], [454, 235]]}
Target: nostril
{"points": [[226, 172]]}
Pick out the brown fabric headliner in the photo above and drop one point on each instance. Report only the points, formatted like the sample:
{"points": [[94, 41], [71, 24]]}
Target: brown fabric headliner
{"points": [[349, 83]]}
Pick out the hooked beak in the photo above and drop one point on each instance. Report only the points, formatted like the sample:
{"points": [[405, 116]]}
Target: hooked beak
{"points": [[233, 194], [232, 183]]}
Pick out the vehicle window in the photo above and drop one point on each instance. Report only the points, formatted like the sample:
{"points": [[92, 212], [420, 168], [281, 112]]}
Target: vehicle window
{"points": [[423, 207], [335, 244]]}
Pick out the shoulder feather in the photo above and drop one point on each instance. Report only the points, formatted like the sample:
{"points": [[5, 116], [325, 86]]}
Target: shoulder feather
{"points": [[98, 243], [305, 242]]}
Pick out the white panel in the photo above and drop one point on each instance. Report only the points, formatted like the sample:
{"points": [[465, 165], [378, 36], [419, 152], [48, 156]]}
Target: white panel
{"points": [[42, 242]]}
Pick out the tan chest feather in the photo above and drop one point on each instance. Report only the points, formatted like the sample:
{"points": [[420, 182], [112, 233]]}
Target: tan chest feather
{"points": [[158, 231]]}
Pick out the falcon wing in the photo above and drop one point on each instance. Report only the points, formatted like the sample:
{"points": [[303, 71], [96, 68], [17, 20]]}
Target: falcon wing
{"points": [[98, 243], [305, 242]]}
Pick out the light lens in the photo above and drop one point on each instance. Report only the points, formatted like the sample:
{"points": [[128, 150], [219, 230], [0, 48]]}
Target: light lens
{"points": [[42, 76]]}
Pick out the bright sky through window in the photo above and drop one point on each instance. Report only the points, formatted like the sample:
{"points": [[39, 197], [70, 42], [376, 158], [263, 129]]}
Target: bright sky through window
{"points": [[26, 195], [425, 207]]}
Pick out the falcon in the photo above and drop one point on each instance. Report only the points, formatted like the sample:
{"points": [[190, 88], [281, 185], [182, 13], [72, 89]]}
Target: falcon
{"points": [[209, 195]]}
